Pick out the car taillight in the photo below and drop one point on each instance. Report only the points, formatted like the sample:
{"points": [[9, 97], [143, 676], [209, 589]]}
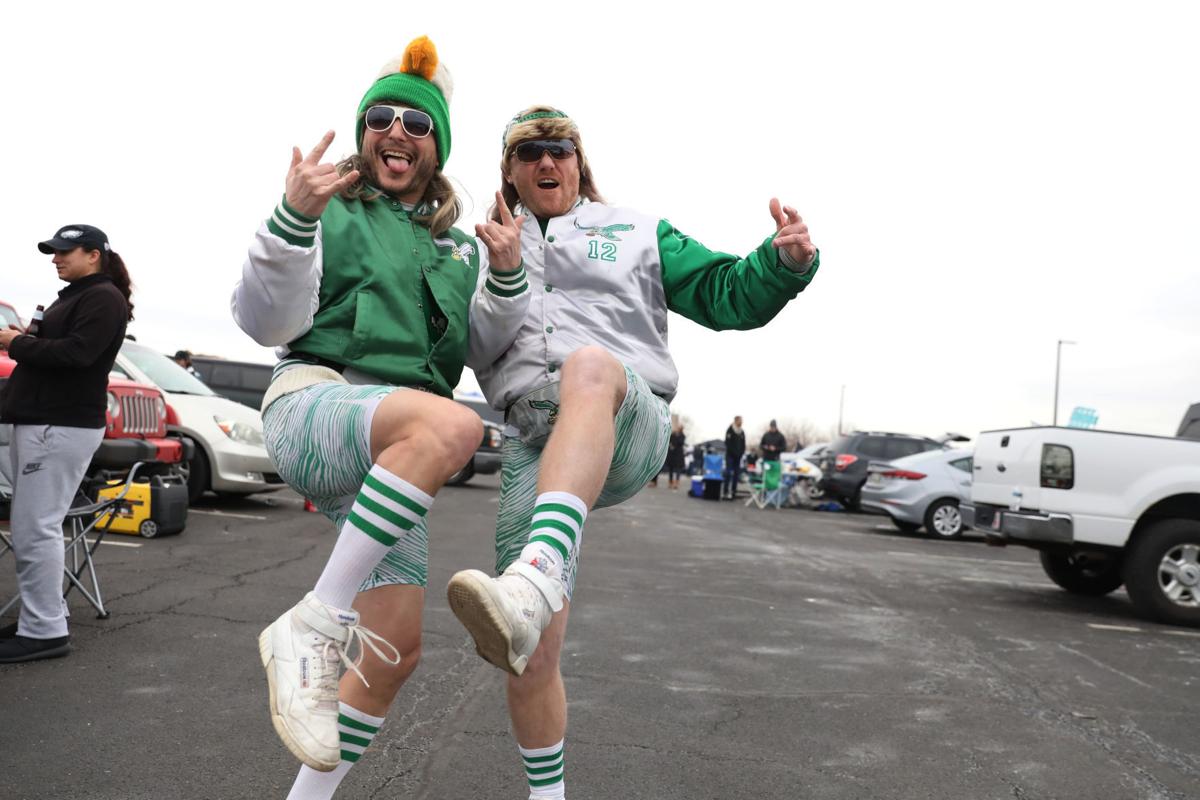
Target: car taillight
{"points": [[904, 474], [844, 460]]}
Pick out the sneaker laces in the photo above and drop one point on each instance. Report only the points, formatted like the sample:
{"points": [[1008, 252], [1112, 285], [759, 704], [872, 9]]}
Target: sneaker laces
{"points": [[366, 638]]}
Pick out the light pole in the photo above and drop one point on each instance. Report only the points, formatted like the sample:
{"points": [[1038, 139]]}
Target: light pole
{"points": [[1057, 365], [841, 404]]}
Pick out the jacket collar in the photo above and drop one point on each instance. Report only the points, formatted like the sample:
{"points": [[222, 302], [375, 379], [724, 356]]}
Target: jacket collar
{"points": [[83, 283]]}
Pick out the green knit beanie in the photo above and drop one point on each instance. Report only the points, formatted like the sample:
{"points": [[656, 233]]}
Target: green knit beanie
{"points": [[418, 80]]}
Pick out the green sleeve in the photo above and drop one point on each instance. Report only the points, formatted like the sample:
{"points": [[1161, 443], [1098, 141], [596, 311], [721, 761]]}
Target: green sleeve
{"points": [[721, 291]]}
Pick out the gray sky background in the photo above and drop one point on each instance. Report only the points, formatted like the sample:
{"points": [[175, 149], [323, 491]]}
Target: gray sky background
{"points": [[982, 179]]}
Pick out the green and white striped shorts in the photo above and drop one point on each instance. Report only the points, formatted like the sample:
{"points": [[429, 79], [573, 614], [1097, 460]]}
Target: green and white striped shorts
{"points": [[320, 441], [643, 432]]}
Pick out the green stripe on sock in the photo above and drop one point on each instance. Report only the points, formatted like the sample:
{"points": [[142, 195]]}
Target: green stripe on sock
{"points": [[541, 759], [375, 533], [391, 515], [544, 770], [350, 755], [546, 781], [351, 722], [559, 508], [349, 738], [395, 495], [557, 525], [555, 543]]}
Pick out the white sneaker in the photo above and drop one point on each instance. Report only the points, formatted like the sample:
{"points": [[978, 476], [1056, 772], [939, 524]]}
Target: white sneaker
{"points": [[301, 652], [506, 615]]}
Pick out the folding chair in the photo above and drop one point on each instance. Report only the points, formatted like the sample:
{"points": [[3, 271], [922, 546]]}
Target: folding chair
{"points": [[83, 519], [768, 488]]}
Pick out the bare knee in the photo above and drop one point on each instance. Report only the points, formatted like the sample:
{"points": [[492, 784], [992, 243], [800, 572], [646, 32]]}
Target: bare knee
{"points": [[440, 431], [592, 371]]}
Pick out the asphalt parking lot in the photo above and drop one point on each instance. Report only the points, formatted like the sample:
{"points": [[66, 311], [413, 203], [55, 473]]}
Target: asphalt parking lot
{"points": [[715, 651]]}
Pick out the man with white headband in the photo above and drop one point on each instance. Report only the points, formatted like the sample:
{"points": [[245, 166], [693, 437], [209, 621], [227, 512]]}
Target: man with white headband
{"points": [[573, 347]]}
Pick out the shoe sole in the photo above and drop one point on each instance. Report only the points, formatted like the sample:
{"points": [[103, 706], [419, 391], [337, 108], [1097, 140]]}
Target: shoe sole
{"points": [[473, 605], [56, 652], [265, 652]]}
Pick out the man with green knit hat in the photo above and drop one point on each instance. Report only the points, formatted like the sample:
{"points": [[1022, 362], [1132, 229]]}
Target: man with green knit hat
{"points": [[360, 282]]}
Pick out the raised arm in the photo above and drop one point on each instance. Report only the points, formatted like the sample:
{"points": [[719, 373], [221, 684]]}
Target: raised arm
{"points": [[722, 291], [278, 294]]}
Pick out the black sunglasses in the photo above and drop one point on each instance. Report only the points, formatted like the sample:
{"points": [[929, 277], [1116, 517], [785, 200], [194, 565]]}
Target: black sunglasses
{"points": [[415, 123], [531, 152]]}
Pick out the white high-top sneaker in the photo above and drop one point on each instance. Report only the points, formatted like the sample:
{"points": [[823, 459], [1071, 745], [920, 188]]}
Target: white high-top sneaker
{"points": [[301, 652], [506, 615]]}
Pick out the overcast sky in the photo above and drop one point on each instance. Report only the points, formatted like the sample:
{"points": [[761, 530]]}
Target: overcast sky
{"points": [[982, 179]]}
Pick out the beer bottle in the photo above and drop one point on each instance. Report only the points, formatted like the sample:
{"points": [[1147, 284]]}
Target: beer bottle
{"points": [[35, 326]]}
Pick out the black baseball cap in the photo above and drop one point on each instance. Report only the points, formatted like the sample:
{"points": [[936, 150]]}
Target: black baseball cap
{"points": [[69, 237]]}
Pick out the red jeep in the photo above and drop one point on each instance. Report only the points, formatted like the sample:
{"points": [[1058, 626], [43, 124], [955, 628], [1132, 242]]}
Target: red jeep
{"points": [[135, 429]]}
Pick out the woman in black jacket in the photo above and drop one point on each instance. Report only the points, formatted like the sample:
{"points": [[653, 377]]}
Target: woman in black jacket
{"points": [[55, 400]]}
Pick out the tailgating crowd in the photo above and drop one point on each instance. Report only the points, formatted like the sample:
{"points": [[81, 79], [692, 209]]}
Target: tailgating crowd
{"points": [[360, 280], [736, 460]]}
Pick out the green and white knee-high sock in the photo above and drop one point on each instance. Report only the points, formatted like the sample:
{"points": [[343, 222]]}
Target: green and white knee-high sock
{"points": [[357, 730], [544, 771], [555, 533], [386, 508]]}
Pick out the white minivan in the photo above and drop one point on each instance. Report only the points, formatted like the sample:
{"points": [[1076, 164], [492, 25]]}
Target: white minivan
{"points": [[230, 455]]}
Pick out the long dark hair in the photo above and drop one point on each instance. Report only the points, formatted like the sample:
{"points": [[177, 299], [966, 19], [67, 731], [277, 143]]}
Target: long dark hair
{"points": [[113, 266]]}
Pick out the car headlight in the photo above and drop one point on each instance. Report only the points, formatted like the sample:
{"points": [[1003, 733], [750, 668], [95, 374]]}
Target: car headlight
{"points": [[240, 431], [160, 405], [114, 406]]}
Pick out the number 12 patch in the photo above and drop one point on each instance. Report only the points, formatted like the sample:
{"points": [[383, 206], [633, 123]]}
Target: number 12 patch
{"points": [[603, 251]]}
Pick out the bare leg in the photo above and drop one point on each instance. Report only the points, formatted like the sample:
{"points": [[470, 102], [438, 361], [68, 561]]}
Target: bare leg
{"points": [[423, 438], [580, 450], [393, 612], [537, 700]]}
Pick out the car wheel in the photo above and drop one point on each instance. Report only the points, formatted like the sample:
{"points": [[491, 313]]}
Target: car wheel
{"points": [[907, 527], [197, 476], [148, 529], [463, 475], [813, 491], [943, 519], [1162, 572], [1088, 573]]}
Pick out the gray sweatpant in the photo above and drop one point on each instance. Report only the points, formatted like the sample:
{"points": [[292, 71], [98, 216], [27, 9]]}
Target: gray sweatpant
{"points": [[48, 462]]}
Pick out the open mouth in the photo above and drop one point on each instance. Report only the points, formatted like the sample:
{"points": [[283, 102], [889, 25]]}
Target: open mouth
{"points": [[397, 161], [547, 183]]}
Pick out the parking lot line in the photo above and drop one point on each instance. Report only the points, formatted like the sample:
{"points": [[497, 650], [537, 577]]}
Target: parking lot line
{"points": [[1003, 582], [963, 558], [224, 514], [1134, 629], [1125, 628], [115, 544]]}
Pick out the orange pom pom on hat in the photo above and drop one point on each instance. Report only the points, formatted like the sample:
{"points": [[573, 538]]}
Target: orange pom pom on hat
{"points": [[416, 78]]}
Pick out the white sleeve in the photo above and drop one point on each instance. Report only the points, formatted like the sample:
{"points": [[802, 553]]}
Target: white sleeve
{"points": [[497, 311], [278, 294]]}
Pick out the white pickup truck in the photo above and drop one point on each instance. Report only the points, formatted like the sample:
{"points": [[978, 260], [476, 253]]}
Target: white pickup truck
{"points": [[1103, 508]]}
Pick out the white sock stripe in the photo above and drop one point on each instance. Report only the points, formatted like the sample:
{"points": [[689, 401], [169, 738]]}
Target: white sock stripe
{"points": [[376, 520], [360, 716], [355, 732], [566, 499], [402, 486], [556, 515], [534, 752], [542, 776], [556, 535], [390, 505]]}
